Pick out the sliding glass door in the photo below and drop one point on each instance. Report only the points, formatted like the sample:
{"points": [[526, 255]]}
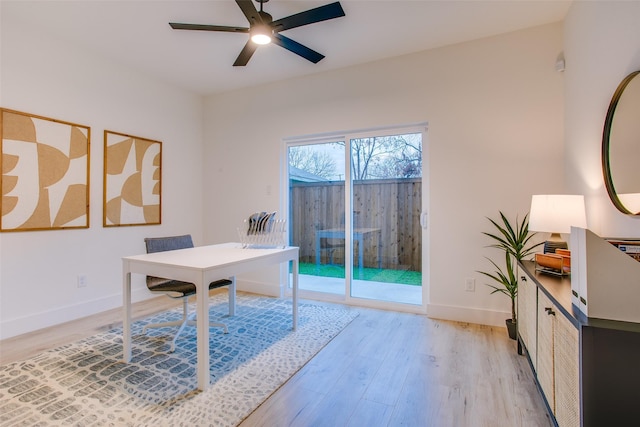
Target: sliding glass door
{"points": [[386, 177], [317, 214], [355, 203]]}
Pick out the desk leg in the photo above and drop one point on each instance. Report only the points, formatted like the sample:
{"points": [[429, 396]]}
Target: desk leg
{"points": [[202, 320], [295, 292], [232, 296], [126, 324]]}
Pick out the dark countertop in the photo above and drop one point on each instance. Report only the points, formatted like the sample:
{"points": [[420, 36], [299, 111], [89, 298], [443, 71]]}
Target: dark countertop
{"points": [[558, 289]]}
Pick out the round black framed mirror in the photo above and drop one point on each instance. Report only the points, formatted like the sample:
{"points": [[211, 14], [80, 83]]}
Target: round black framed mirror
{"points": [[621, 146]]}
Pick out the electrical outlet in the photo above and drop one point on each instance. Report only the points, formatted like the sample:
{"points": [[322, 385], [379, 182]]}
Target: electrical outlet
{"points": [[470, 284], [82, 281]]}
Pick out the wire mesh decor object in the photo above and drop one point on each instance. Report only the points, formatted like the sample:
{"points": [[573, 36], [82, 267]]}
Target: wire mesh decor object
{"points": [[263, 230]]}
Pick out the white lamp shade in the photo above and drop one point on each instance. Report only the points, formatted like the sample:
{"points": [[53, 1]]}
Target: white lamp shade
{"points": [[557, 213]]}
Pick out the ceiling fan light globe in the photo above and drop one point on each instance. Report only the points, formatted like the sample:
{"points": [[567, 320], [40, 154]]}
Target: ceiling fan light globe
{"points": [[261, 39], [261, 34]]}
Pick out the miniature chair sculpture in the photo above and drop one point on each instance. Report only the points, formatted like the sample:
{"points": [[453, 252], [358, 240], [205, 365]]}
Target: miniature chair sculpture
{"points": [[176, 288]]}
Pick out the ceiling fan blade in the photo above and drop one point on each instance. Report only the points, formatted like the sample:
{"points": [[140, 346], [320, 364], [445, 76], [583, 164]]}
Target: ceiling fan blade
{"points": [[245, 54], [297, 48], [250, 11], [311, 16], [179, 26]]}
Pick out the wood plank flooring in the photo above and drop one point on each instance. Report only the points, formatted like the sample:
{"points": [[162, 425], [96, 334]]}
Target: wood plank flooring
{"points": [[396, 369], [28, 345], [384, 369]]}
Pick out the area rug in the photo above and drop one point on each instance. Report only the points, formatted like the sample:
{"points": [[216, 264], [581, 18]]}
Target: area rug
{"points": [[87, 384]]}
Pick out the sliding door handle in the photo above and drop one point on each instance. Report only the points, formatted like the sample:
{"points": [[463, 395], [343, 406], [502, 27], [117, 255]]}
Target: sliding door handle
{"points": [[423, 220]]}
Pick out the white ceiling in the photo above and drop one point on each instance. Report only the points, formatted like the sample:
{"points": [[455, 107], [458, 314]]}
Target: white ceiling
{"points": [[136, 33]]}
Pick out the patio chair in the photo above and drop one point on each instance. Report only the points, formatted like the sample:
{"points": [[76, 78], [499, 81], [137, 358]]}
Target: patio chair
{"points": [[176, 288], [330, 246], [327, 244]]}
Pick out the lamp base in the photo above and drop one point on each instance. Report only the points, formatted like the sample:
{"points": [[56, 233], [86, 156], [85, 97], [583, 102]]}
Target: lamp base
{"points": [[550, 246]]}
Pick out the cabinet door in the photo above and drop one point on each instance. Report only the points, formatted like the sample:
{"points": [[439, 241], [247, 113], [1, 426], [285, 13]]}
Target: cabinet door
{"points": [[545, 370], [567, 372], [527, 313]]}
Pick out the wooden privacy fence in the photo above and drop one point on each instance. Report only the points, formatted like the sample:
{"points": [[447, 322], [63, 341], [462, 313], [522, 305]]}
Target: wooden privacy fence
{"points": [[391, 206]]}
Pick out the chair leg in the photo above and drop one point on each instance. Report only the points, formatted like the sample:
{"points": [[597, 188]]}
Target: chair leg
{"points": [[219, 325], [162, 325], [175, 337], [186, 320], [192, 322], [180, 322]]}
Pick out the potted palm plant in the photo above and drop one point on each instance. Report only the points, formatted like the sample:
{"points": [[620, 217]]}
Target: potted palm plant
{"points": [[508, 285], [516, 244]]}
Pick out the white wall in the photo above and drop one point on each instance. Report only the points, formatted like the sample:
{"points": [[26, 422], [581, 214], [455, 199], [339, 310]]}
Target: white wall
{"points": [[495, 113], [495, 109], [602, 46], [39, 75]]}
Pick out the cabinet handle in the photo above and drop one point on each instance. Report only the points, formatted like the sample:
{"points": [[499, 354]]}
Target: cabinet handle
{"points": [[550, 311], [523, 278]]}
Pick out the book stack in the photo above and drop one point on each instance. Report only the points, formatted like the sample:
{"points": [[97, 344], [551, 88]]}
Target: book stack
{"points": [[629, 246]]}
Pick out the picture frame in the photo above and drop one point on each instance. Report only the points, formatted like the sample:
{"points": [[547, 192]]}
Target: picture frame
{"points": [[44, 173], [132, 193]]}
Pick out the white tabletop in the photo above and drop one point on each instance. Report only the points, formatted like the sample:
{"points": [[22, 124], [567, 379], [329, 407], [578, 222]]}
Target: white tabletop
{"points": [[200, 266], [205, 257]]}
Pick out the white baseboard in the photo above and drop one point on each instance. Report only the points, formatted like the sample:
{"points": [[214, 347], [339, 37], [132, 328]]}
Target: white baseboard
{"points": [[33, 322], [13, 327], [466, 314], [434, 311]]}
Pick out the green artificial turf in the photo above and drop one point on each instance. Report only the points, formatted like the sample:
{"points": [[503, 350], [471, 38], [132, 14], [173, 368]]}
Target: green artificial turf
{"points": [[404, 277]]}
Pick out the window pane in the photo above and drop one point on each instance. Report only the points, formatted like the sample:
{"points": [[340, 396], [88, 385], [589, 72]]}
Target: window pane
{"points": [[387, 201], [317, 214]]}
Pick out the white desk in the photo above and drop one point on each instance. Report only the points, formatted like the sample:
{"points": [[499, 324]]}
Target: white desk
{"points": [[201, 266]]}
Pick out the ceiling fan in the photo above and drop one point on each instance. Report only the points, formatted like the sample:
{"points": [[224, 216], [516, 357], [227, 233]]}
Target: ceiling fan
{"points": [[263, 29]]}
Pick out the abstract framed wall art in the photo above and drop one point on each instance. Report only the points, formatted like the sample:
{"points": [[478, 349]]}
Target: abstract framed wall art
{"points": [[132, 180], [44, 173]]}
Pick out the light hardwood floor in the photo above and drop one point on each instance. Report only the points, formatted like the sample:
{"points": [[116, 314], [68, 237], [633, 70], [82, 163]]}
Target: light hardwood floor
{"points": [[33, 343], [384, 369]]}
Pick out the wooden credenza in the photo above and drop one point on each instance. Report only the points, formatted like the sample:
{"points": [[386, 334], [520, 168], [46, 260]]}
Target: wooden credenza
{"points": [[588, 370]]}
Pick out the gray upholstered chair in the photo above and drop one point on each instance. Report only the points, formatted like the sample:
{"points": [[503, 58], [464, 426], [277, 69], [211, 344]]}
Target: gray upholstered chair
{"points": [[176, 288]]}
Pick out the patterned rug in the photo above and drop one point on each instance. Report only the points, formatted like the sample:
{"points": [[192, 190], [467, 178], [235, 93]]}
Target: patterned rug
{"points": [[87, 384]]}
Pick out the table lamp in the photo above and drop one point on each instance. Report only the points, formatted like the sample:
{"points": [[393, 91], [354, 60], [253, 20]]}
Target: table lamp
{"points": [[556, 214]]}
